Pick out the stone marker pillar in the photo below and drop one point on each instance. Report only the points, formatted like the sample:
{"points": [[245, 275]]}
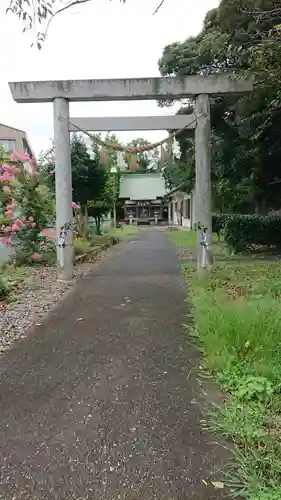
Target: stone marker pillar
{"points": [[169, 214], [203, 200], [64, 211]]}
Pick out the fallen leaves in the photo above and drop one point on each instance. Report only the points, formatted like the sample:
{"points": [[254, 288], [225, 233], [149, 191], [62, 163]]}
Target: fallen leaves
{"points": [[218, 485]]}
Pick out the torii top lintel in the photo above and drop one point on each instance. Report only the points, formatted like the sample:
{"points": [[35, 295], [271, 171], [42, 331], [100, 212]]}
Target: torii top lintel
{"points": [[129, 89]]}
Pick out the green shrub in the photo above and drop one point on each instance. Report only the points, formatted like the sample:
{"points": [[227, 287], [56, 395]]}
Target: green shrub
{"points": [[243, 232], [5, 287], [218, 223], [82, 246]]}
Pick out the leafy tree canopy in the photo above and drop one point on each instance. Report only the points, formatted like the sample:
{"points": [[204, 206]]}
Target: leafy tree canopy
{"points": [[239, 36]]}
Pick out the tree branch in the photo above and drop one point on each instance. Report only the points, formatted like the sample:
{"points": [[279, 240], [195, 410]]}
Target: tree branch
{"points": [[63, 9], [158, 7], [263, 14]]}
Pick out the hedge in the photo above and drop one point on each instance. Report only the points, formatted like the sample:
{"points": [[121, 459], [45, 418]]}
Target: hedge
{"points": [[242, 232], [218, 223]]}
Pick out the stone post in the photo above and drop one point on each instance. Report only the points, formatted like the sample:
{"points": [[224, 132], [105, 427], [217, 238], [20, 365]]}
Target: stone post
{"points": [[64, 212], [169, 213], [203, 201]]}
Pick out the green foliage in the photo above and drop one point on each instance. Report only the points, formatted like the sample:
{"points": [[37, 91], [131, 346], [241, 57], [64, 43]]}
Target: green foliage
{"points": [[31, 205], [12, 279], [142, 158], [268, 495], [81, 246], [218, 223], [92, 183], [246, 144], [124, 232], [237, 323], [243, 232], [88, 176], [241, 422], [5, 286]]}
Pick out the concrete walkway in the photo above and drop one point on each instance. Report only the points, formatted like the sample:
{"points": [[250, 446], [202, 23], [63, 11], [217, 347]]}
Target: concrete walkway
{"points": [[98, 403]]}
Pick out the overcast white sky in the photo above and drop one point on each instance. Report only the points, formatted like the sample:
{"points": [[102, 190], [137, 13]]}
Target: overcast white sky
{"points": [[101, 40]]}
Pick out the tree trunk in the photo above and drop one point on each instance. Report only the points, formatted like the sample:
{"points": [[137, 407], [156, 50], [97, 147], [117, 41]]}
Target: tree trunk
{"points": [[85, 228], [97, 219]]}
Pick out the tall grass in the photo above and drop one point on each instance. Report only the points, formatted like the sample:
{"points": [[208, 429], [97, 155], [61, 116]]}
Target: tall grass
{"points": [[240, 330], [183, 238], [237, 320]]}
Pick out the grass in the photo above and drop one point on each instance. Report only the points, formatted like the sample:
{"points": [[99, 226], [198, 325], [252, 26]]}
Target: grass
{"points": [[187, 239], [183, 239], [12, 280], [237, 313], [126, 231], [87, 248]]}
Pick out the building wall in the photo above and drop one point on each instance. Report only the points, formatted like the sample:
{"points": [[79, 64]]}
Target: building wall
{"points": [[19, 140], [182, 209]]}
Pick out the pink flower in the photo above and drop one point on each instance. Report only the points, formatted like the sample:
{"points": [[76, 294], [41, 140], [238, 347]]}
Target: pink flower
{"points": [[8, 213], [25, 157], [49, 234], [19, 223], [10, 169], [36, 256], [15, 157], [15, 228], [7, 241], [74, 205], [7, 177], [7, 168]]}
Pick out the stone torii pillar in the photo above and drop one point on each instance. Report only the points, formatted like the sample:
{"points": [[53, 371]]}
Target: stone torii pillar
{"points": [[203, 192], [64, 211]]}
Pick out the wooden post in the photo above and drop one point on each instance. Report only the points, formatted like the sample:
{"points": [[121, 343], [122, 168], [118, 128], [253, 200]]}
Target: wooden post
{"points": [[203, 201]]}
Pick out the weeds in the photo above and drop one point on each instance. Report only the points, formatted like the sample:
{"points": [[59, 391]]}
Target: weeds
{"points": [[12, 279], [237, 313]]}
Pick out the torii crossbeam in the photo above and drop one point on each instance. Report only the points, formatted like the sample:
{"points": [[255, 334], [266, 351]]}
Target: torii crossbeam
{"points": [[167, 88]]}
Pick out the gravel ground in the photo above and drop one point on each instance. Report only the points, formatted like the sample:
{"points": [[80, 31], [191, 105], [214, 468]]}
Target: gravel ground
{"points": [[40, 294]]}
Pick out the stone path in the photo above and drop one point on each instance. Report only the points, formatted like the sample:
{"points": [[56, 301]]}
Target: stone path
{"points": [[98, 403]]}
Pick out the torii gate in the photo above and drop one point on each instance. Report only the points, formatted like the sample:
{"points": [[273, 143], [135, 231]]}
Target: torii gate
{"points": [[162, 88]]}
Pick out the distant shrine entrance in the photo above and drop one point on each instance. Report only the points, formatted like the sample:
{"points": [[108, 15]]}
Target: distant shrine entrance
{"points": [[61, 93]]}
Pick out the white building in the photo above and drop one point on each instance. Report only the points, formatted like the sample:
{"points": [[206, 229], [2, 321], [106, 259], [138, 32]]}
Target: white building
{"points": [[181, 208]]}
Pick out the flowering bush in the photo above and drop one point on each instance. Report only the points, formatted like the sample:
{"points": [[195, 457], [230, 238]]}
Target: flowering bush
{"points": [[23, 208]]}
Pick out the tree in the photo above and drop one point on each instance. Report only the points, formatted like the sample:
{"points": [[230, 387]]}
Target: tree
{"points": [[142, 158], [38, 14], [108, 200], [246, 143], [25, 207], [89, 178]]}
